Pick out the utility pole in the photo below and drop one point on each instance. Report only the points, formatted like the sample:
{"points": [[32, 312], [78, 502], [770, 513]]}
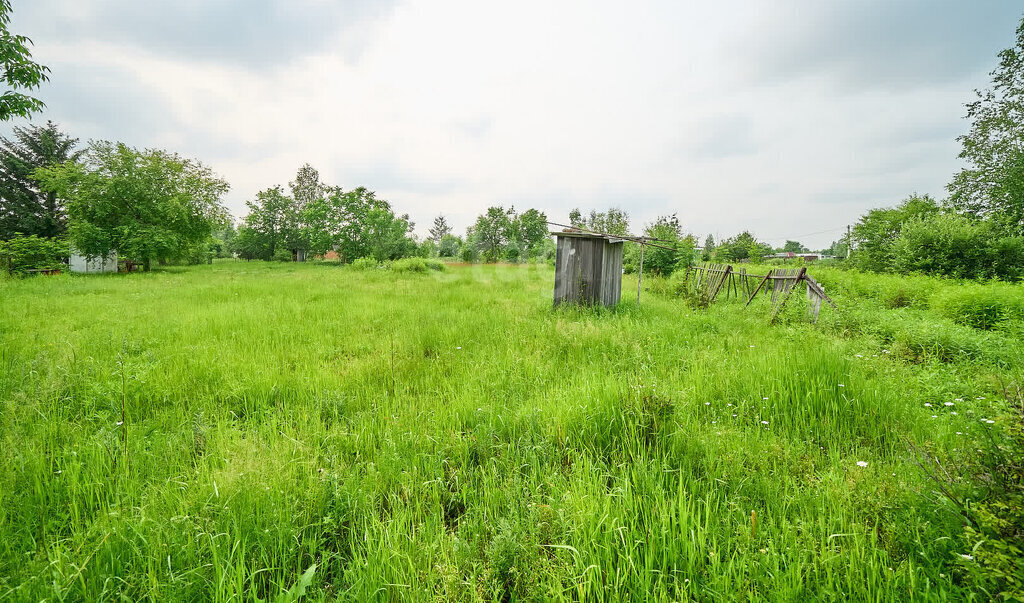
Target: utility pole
{"points": [[640, 274], [849, 241]]}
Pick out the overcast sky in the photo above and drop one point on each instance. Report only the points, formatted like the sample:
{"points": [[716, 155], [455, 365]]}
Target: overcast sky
{"points": [[786, 118]]}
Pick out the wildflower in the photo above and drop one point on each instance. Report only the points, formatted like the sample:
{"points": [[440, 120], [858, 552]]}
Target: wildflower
{"points": [[959, 399], [928, 404], [935, 416], [764, 398], [990, 421], [120, 423], [751, 346], [713, 422], [858, 356], [458, 347], [707, 404], [959, 433], [764, 422], [967, 557], [734, 416], [953, 413], [862, 463], [841, 385]]}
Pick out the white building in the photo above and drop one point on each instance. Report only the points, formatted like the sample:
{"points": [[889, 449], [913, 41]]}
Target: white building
{"points": [[80, 263]]}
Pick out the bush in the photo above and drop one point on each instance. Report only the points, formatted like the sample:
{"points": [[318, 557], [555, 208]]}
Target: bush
{"points": [[22, 254], [283, 255], [952, 245], [980, 306], [365, 264], [418, 265]]}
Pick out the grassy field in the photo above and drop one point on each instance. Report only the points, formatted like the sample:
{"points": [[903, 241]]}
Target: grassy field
{"points": [[251, 431]]}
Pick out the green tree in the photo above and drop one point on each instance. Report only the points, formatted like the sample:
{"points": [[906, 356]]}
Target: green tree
{"points": [[145, 205], [267, 227], [24, 208], [531, 230], [669, 233], [439, 230], [877, 230], [576, 219], [742, 247], [794, 247], [19, 71], [450, 246], [357, 224], [992, 184], [490, 233]]}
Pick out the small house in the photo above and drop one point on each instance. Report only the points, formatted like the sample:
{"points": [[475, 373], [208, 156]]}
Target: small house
{"points": [[588, 268]]}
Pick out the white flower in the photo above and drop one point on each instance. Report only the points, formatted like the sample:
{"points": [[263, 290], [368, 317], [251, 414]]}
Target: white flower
{"points": [[858, 355], [751, 346], [990, 421], [953, 413], [928, 404], [707, 404], [713, 422], [841, 385], [862, 463], [458, 347], [734, 416], [764, 422], [764, 398], [967, 557], [935, 416], [120, 423], [959, 399], [959, 433], [949, 404]]}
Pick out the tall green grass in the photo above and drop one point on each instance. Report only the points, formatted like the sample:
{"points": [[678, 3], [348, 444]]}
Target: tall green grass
{"points": [[249, 430]]}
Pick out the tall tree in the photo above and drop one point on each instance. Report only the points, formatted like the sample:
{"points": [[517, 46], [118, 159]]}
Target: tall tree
{"points": [[490, 232], [741, 247], [267, 227], [307, 186], [144, 205], [992, 185], [794, 247], [669, 231], [357, 224], [439, 229], [873, 236], [19, 71], [24, 207], [576, 218]]}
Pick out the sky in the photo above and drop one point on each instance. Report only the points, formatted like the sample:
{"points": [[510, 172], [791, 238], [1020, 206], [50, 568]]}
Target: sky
{"points": [[788, 118]]}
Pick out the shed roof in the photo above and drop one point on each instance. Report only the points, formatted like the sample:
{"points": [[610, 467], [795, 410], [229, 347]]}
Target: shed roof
{"points": [[588, 235]]}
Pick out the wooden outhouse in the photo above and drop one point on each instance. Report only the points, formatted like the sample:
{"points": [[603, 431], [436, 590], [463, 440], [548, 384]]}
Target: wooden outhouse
{"points": [[588, 269]]}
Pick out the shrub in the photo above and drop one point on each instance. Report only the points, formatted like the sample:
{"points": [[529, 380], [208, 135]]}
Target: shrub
{"points": [[417, 265], [22, 254], [980, 306], [364, 264], [283, 255], [952, 245]]}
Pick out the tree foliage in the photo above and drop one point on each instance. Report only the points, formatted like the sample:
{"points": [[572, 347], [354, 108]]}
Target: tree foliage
{"points": [[268, 226], [145, 205], [439, 230], [20, 72], [24, 207], [357, 224], [659, 260], [614, 221], [743, 246], [503, 234], [957, 246], [874, 234], [992, 184]]}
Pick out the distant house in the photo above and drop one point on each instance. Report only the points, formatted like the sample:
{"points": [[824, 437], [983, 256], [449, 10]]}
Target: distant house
{"points": [[789, 255], [80, 263]]}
